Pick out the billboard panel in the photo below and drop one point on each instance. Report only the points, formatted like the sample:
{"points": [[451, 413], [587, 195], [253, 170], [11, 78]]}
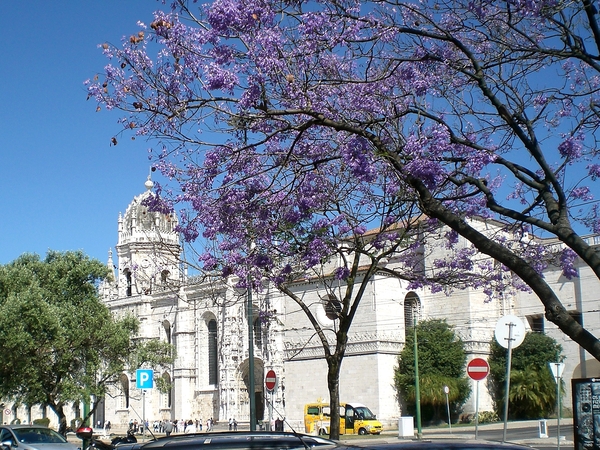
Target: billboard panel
{"points": [[586, 413]]}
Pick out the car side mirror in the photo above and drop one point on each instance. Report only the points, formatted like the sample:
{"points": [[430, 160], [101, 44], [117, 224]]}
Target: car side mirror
{"points": [[6, 445]]}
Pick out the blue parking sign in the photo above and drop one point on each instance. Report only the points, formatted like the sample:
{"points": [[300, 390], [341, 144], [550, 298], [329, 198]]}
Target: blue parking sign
{"points": [[144, 378]]}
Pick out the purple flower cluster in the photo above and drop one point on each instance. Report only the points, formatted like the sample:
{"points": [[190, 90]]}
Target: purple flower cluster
{"points": [[295, 131]]}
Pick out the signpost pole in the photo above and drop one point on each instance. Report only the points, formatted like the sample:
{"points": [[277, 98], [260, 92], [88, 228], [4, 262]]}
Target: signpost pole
{"points": [[477, 409], [510, 340], [507, 388], [144, 380], [558, 413], [270, 384], [144, 415], [271, 412], [477, 369], [447, 391]]}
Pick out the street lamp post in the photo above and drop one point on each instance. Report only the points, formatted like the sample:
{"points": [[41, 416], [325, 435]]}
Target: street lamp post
{"points": [[251, 387], [417, 391], [557, 370]]}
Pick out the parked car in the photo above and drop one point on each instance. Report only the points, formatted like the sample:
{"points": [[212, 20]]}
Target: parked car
{"points": [[239, 440], [32, 437]]}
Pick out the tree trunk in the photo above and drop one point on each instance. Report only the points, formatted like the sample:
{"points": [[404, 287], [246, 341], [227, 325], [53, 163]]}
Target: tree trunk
{"points": [[333, 384], [62, 418]]}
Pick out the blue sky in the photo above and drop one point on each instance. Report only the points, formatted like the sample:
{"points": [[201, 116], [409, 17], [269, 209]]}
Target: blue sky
{"points": [[62, 185]]}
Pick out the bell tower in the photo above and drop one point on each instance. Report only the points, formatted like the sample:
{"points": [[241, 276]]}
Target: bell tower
{"points": [[148, 249]]}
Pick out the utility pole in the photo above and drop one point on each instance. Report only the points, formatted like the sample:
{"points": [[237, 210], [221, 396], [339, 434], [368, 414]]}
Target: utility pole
{"points": [[417, 391], [251, 388]]}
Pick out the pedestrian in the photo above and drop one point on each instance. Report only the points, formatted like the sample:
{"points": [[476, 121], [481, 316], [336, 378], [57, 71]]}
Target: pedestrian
{"points": [[230, 424], [168, 427], [234, 424]]}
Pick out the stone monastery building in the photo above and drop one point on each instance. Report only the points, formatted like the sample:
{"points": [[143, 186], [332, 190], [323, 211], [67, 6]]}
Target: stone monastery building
{"points": [[206, 320]]}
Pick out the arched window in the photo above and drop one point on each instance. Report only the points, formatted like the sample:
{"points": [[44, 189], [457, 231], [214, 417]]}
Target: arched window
{"points": [[258, 332], [128, 282], [167, 326], [164, 276], [332, 306], [412, 310], [125, 389], [166, 396], [212, 353]]}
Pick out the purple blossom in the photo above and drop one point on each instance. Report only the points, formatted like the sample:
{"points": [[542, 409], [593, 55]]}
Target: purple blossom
{"points": [[567, 263], [341, 273], [571, 147]]}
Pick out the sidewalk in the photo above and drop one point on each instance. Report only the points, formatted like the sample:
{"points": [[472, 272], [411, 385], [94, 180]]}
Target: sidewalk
{"points": [[468, 433]]}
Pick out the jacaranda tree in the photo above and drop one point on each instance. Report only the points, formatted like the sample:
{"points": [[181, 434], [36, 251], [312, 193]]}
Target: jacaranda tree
{"points": [[286, 126]]}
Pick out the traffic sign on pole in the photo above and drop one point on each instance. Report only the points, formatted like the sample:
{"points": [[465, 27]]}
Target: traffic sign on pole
{"points": [[144, 378], [270, 380], [478, 369]]}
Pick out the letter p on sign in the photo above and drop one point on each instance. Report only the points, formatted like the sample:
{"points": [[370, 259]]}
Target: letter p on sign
{"points": [[145, 378]]}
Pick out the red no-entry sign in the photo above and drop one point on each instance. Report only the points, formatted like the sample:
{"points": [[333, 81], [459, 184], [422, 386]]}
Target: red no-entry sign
{"points": [[270, 380], [478, 369]]}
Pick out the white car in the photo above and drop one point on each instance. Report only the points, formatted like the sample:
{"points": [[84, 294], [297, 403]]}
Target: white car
{"points": [[32, 437]]}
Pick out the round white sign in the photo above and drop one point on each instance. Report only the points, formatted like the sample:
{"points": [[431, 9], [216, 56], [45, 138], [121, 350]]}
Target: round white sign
{"points": [[510, 329]]}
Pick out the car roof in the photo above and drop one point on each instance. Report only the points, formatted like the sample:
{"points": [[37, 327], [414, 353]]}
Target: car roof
{"points": [[24, 425], [239, 440]]}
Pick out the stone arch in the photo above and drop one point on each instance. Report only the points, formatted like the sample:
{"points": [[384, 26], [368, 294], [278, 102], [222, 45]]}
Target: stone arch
{"points": [[167, 327], [124, 382], [166, 397], [259, 376], [412, 311], [209, 334], [590, 368]]}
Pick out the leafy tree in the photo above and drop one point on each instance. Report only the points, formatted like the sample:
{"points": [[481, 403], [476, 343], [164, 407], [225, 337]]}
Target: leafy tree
{"points": [[532, 386], [442, 362], [60, 344], [293, 125]]}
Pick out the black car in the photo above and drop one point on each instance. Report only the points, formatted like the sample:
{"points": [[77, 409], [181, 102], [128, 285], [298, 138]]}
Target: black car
{"points": [[240, 440]]}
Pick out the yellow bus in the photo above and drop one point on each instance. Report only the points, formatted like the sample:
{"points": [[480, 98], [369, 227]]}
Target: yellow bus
{"points": [[355, 418]]}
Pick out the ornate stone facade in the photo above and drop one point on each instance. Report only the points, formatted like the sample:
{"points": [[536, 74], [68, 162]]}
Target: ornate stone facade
{"points": [[207, 322]]}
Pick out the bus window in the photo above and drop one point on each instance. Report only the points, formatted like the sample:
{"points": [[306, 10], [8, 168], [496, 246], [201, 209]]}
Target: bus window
{"points": [[364, 413], [313, 411]]}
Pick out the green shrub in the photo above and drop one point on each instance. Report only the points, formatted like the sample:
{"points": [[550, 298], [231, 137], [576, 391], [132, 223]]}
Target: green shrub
{"points": [[487, 417], [44, 421]]}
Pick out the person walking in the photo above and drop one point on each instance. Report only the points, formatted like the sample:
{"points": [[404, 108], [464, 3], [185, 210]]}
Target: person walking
{"points": [[168, 427]]}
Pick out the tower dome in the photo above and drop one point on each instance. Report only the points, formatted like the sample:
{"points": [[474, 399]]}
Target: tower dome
{"points": [[148, 247], [141, 225]]}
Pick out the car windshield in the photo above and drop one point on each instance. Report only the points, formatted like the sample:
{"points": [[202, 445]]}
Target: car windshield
{"points": [[38, 436], [364, 413]]}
